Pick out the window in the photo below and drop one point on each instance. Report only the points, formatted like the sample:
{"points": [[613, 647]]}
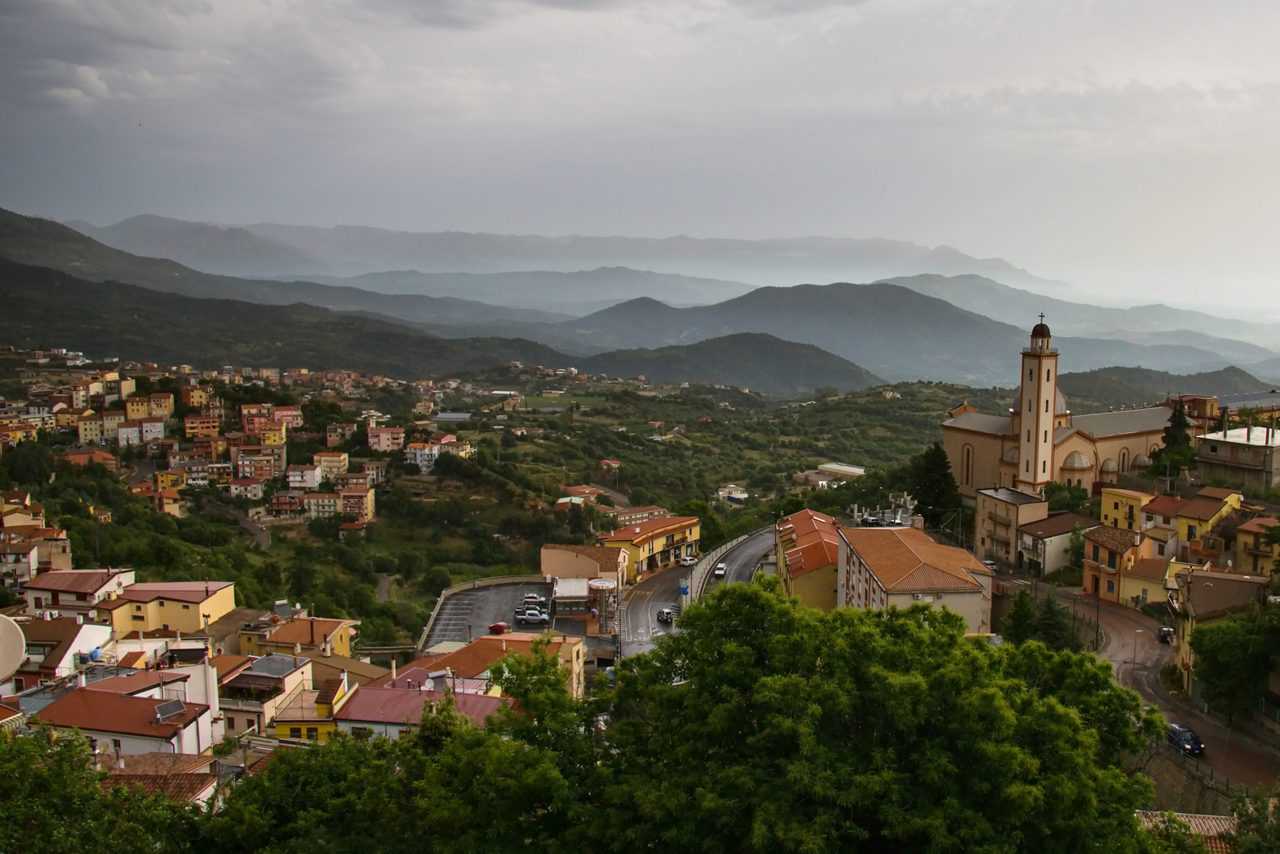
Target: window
{"points": [[1213, 449], [1048, 374], [1046, 405], [160, 603], [1028, 435], [1111, 559], [1027, 467], [1046, 435], [1191, 532], [231, 722], [137, 607], [115, 745], [1111, 586], [1031, 373], [361, 732], [295, 732], [312, 733], [1095, 553], [1044, 467], [138, 617], [186, 607]]}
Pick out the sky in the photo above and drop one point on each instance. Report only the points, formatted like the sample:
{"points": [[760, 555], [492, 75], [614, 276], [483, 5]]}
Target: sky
{"points": [[1128, 147]]}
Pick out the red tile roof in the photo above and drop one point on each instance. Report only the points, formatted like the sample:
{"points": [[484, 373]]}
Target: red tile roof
{"points": [[182, 788], [72, 580], [136, 683], [401, 706], [1259, 525], [1115, 539], [105, 711], [909, 560], [1057, 524], [809, 540], [178, 591], [306, 630], [1163, 505], [1151, 568], [643, 531], [1201, 508]]}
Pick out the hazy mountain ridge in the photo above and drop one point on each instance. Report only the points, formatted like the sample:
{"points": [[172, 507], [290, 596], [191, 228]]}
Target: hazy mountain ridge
{"points": [[225, 250], [774, 366], [1014, 305], [354, 250], [893, 331], [46, 307], [574, 293], [44, 243]]}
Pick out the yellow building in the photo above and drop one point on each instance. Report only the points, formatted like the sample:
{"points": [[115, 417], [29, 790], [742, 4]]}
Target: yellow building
{"points": [[1110, 554], [1122, 508], [1041, 440], [655, 544], [1254, 554], [137, 408], [1197, 516], [1145, 581], [178, 606], [89, 427], [301, 636], [161, 404], [175, 479], [308, 716], [276, 433], [1203, 597], [808, 551]]}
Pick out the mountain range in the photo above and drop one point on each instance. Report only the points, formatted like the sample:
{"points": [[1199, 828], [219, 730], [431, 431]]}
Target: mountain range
{"points": [[893, 331], [355, 250], [1139, 324], [46, 307]]}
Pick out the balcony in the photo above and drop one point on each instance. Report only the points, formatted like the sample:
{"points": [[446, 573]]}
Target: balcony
{"points": [[999, 519]]}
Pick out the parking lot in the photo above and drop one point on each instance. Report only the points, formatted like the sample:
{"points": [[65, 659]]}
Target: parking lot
{"points": [[468, 614]]}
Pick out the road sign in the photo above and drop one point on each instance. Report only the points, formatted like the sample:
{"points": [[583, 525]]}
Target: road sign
{"points": [[684, 588]]}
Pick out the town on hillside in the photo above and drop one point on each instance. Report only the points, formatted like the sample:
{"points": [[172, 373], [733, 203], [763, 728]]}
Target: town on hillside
{"points": [[203, 568]]}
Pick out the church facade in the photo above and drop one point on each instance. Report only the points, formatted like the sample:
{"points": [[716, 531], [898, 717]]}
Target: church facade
{"points": [[1039, 440]]}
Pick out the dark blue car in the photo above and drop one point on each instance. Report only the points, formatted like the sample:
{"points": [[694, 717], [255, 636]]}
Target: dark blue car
{"points": [[1185, 740]]}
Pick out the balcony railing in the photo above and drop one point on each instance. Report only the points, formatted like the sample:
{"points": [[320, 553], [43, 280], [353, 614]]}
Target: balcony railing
{"points": [[998, 518]]}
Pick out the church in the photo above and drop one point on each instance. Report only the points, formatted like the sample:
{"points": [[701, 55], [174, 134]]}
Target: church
{"points": [[1039, 440]]}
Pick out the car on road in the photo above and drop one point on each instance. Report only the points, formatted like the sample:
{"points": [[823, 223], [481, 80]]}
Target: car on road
{"points": [[720, 570], [688, 560], [666, 615], [1185, 739], [1167, 634], [534, 616]]}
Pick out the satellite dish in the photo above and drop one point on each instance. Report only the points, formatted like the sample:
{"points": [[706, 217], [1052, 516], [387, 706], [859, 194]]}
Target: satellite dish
{"points": [[13, 647]]}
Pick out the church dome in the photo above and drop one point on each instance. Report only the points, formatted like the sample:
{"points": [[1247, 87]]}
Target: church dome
{"points": [[1142, 461], [1109, 466], [1077, 461], [1041, 330]]}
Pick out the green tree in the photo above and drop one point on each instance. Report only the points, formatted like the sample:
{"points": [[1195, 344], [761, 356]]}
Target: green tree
{"points": [[961, 746], [1258, 831], [1066, 496], [1172, 835], [1020, 624], [1233, 659], [932, 484], [1075, 547], [1176, 454], [1053, 627]]}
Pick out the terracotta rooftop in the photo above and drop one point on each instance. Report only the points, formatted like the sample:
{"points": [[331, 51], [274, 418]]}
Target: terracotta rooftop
{"points": [[229, 665], [104, 711], [1259, 525], [1213, 830], [477, 657], [306, 630], [1116, 539], [1201, 508], [909, 560], [401, 706], [642, 531], [183, 788], [58, 633], [1151, 568], [810, 541], [179, 591], [154, 763], [1217, 492], [1210, 594], [1163, 505], [1057, 524], [72, 580], [135, 683]]}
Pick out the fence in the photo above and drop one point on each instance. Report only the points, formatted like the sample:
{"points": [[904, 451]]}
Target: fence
{"points": [[702, 571]]}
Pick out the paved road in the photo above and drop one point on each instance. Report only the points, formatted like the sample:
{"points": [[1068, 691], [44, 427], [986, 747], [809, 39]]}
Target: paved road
{"points": [[1136, 655], [741, 562], [641, 627]]}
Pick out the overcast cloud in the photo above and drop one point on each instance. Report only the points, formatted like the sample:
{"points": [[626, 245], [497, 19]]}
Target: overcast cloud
{"points": [[1108, 142]]}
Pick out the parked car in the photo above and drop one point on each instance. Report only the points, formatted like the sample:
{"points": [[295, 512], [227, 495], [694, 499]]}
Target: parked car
{"points": [[720, 570], [688, 560], [534, 599], [499, 628], [1185, 739], [536, 616], [666, 615]]}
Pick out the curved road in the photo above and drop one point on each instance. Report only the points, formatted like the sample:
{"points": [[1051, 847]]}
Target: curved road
{"points": [[641, 628], [1136, 656]]}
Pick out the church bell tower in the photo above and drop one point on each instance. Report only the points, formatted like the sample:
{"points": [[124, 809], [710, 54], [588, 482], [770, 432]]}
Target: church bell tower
{"points": [[1036, 411]]}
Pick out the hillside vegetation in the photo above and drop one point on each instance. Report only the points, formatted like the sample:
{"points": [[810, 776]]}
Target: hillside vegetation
{"points": [[1132, 386]]}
